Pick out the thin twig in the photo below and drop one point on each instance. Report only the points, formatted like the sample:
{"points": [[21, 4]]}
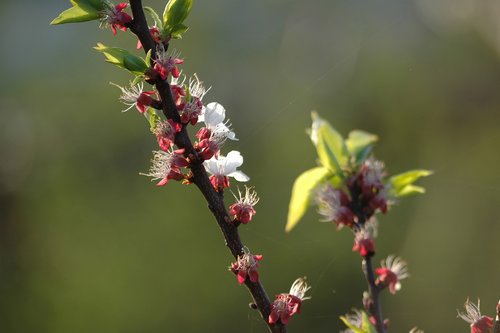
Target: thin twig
{"points": [[376, 308], [200, 178]]}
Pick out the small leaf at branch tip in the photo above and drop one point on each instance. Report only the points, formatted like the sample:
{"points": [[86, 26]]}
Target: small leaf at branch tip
{"points": [[302, 193], [82, 11]]}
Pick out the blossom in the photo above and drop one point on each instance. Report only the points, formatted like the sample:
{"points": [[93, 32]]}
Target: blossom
{"points": [[135, 96], [166, 64], [332, 204], [246, 265], [165, 132], [286, 305], [166, 166], [393, 270], [242, 210], [192, 107], [363, 239], [213, 116], [223, 167], [478, 323], [115, 17], [155, 35]]}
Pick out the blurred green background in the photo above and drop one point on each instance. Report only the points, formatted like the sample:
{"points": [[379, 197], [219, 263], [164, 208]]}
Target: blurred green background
{"points": [[88, 245]]}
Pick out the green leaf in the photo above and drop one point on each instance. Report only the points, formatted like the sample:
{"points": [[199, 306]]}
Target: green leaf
{"points": [[155, 17], [351, 326], [82, 11], [174, 15], [301, 194], [359, 144], [401, 185], [330, 145], [122, 58], [178, 30], [366, 325], [137, 79]]}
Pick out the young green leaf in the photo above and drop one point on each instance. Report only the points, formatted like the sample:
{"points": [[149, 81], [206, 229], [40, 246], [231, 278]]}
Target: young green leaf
{"points": [[174, 15], [330, 145], [82, 11], [302, 192], [178, 30], [402, 184], [137, 80], [359, 144], [155, 17], [122, 58]]}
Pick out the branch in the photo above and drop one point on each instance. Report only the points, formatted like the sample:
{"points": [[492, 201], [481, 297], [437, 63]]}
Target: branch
{"points": [[376, 308], [200, 178]]}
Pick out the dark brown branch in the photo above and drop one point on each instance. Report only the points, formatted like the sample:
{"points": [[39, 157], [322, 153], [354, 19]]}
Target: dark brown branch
{"points": [[200, 178], [375, 308]]}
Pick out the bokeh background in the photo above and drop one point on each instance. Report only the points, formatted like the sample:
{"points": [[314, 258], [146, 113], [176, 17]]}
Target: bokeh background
{"points": [[88, 245]]}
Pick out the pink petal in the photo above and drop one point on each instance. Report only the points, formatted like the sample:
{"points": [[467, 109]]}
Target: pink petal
{"points": [[242, 276]]}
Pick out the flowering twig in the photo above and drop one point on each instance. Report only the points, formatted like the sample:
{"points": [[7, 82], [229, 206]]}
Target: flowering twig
{"points": [[199, 177]]}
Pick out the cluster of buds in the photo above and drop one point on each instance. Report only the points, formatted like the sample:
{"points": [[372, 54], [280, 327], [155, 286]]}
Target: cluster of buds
{"points": [[365, 194], [287, 304], [367, 188]]}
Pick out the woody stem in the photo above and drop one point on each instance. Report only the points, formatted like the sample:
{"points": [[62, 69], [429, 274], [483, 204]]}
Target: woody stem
{"points": [[375, 308]]}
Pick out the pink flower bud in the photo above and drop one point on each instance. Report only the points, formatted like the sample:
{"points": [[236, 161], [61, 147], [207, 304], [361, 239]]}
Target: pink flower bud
{"points": [[478, 323], [115, 17], [286, 305], [246, 266], [166, 64], [242, 210], [393, 270], [165, 132], [363, 239]]}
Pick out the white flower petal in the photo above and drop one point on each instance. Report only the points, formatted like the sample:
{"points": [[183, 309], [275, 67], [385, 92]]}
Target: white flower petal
{"points": [[213, 114], [211, 166], [223, 130], [239, 176], [232, 161]]}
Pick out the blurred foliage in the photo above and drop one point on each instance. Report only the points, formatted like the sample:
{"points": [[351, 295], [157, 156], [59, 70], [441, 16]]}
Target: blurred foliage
{"points": [[88, 245]]}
